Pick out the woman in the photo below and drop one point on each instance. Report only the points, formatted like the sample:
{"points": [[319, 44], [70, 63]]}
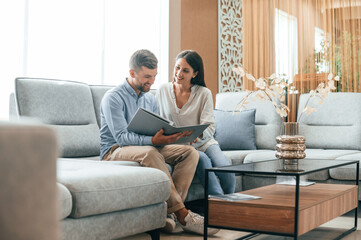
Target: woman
{"points": [[187, 101]]}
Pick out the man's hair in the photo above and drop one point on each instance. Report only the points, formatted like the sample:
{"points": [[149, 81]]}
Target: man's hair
{"points": [[142, 58]]}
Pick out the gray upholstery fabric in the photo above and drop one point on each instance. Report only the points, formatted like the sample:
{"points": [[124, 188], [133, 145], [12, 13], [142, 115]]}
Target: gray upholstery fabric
{"points": [[13, 111], [116, 224], [96, 159], [66, 105], [237, 156], [328, 153], [65, 201], [79, 140], [268, 122], [346, 172], [70, 104], [28, 197], [336, 124], [196, 190], [260, 156], [98, 93], [99, 188]]}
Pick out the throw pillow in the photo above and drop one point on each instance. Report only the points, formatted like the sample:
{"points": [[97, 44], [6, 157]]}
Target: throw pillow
{"points": [[235, 131]]}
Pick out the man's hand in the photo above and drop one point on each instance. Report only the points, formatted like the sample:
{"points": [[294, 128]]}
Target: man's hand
{"points": [[161, 139]]}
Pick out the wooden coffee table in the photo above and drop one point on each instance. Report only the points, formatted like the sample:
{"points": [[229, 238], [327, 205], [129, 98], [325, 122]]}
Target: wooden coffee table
{"points": [[284, 209]]}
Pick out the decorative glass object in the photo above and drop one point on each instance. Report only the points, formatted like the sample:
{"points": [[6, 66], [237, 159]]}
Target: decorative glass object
{"points": [[290, 147]]}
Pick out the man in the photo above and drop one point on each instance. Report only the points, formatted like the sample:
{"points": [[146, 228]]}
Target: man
{"points": [[117, 109]]}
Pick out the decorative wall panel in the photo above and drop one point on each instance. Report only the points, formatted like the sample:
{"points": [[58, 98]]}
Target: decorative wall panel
{"points": [[229, 44]]}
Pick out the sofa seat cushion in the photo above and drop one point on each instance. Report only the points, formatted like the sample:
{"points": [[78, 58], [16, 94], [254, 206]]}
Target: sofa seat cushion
{"points": [[259, 156], [270, 155], [346, 172], [238, 156], [328, 153], [98, 188], [96, 160], [65, 201], [325, 154]]}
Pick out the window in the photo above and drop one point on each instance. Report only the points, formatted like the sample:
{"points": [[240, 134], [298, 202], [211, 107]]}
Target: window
{"points": [[84, 40], [321, 46], [286, 46]]}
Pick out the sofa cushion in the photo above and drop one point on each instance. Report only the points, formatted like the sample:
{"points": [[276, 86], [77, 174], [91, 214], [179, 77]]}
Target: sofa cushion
{"points": [[67, 106], [260, 156], [96, 159], [237, 156], [336, 123], [235, 131], [98, 188], [98, 93], [270, 155], [268, 122], [346, 172], [65, 201], [327, 153]]}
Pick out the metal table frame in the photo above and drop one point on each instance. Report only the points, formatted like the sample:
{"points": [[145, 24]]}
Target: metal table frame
{"points": [[297, 175]]}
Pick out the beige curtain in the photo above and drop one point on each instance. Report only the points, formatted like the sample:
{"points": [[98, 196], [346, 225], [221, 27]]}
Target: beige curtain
{"points": [[338, 22]]}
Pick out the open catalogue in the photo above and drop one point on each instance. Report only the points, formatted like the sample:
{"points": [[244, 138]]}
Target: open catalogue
{"points": [[148, 123]]}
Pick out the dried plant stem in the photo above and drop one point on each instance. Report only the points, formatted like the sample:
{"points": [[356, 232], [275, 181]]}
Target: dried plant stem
{"points": [[241, 103], [308, 100], [269, 97]]}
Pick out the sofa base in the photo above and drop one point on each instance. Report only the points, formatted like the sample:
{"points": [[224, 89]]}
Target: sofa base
{"points": [[115, 225]]}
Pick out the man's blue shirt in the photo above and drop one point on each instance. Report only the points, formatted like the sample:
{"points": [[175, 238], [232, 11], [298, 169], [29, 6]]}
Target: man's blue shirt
{"points": [[117, 108]]}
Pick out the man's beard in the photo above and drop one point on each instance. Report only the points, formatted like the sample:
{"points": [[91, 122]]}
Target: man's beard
{"points": [[142, 88]]}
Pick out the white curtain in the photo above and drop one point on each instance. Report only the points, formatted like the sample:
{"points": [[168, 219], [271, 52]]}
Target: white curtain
{"points": [[84, 40], [286, 45]]}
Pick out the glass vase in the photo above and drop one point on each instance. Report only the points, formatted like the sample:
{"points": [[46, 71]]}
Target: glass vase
{"points": [[290, 147]]}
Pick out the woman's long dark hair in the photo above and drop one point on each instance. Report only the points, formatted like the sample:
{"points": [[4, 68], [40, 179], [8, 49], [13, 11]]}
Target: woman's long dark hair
{"points": [[196, 62]]}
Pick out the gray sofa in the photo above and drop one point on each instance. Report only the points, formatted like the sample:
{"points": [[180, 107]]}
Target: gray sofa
{"points": [[72, 108], [99, 200], [332, 132]]}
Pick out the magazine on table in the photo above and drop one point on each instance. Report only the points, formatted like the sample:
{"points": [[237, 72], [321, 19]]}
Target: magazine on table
{"points": [[235, 197], [147, 123], [293, 183], [291, 180]]}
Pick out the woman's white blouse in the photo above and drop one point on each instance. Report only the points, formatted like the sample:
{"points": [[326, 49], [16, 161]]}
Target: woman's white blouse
{"points": [[197, 110]]}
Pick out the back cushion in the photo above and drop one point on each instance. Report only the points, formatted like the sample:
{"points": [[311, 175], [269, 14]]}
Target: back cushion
{"points": [[335, 125], [65, 105], [268, 122], [98, 93]]}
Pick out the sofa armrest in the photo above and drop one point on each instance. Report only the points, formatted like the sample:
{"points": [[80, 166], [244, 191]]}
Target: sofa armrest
{"points": [[28, 192]]}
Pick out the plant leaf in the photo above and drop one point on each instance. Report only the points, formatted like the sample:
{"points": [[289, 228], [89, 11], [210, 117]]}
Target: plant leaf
{"points": [[250, 77], [273, 76], [330, 76]]}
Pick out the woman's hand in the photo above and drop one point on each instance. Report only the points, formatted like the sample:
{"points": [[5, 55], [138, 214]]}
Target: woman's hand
{"points": [[195, 141]]}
